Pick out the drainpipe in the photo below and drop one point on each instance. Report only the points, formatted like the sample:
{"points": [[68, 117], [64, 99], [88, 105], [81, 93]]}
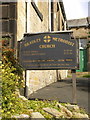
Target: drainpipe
{"points": [[26, 88], [65, 25], [52, 27], [49, 25], [52, 15]]}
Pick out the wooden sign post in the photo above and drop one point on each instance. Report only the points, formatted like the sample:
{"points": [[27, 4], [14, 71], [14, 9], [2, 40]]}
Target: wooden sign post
{"points": [[74, 86], [26, 88]]}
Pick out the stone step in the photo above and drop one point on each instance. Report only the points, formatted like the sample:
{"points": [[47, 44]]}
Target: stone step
{"points": [[80, 115], [37, 116], [65, 110], [21, 116], [53, 112], [72, 107]]}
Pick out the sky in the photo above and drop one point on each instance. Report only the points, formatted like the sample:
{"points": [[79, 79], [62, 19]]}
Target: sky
{"points": [[76, 9]]}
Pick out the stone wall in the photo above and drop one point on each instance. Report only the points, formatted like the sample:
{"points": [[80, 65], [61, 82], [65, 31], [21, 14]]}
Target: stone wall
{"points": [[21, 21], [37, 79], [80, 32]]}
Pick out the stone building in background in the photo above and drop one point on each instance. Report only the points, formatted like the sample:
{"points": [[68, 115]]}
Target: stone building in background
{"points": [[31, 17], [81, 31], [8, 20]]}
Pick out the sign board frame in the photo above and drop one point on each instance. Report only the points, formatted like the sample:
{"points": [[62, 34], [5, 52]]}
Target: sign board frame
{"points": [[40, 51]]}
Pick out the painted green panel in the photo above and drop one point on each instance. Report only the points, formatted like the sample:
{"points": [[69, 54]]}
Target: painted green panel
{"points": [[83, 61]]}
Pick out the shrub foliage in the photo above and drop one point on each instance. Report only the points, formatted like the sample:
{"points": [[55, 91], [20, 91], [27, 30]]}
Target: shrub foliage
{"points": [[12, 79]]}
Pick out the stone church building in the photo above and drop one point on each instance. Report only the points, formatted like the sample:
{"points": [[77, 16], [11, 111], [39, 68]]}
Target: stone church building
{"points": [[81, 31], [24, 16]]}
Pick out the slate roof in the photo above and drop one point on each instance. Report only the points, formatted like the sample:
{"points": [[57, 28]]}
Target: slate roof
{"points": [[79, 22]]}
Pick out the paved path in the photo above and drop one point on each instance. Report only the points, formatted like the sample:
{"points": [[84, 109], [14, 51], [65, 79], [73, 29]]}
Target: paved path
{"points": [[62, 91]]}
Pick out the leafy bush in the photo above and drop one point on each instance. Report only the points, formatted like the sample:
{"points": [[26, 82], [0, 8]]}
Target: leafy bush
{"points": [[8, 56], [12, 79], [87, 76]]}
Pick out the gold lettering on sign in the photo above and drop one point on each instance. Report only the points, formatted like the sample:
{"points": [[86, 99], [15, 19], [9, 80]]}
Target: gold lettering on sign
{"points": [[47, 46], [49, 60], [69, 60], [49, 65], [61, 60], [55, 39], [63, 41], [67, 52], [32, 42]]}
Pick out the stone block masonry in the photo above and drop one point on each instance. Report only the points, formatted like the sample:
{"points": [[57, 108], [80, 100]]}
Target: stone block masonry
{"points": [[24, 18], [39, 79]]}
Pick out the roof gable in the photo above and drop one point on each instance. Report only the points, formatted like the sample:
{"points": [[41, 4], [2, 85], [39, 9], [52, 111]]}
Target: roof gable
{"points": [[79, 22]]}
